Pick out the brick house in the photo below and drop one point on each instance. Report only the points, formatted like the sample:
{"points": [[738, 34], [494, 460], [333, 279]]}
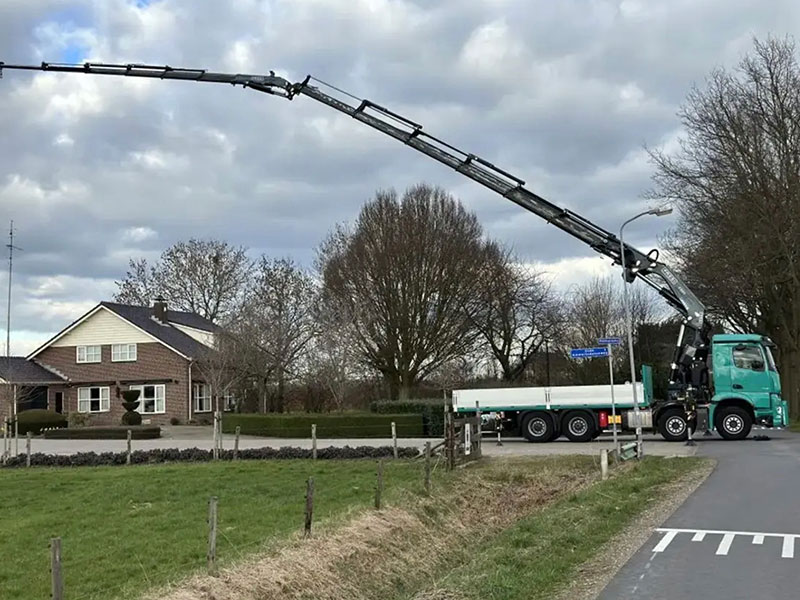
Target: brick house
{"points": [[117, 347]]}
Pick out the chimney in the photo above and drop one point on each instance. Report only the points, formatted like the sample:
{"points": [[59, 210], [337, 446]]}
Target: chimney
{"points": [[160, 310]]}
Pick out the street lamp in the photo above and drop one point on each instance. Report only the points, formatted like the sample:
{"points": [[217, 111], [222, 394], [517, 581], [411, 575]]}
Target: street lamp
{"points": [[656, 212]]}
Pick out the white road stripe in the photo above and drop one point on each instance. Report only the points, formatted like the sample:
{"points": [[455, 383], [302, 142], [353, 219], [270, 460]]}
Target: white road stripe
{"points": [[758, 539], [788, 547], [698, 537], [723, 532], [665, 541], [725, 544]]}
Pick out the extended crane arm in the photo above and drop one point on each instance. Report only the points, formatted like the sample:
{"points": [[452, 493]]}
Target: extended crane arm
{"points": [[638, 264]]}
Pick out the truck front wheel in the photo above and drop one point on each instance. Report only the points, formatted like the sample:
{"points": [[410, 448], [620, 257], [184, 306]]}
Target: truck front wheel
{"points": [[538, 427], [578, 426], [672, 425], [733, 422]]}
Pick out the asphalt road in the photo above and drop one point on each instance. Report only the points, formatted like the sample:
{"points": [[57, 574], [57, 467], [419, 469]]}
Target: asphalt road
{"points": [[733, 539]]}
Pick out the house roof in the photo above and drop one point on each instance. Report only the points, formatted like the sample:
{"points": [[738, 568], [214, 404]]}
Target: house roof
{"points": [[18, 369], [142, 317]]}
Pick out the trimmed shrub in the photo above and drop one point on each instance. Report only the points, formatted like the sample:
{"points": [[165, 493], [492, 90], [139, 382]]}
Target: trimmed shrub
{"points": [[104, 433], [334, 425], [130, 402], [174, 421], [169, 455], [76, 419], [36, 419], [431, 409]]}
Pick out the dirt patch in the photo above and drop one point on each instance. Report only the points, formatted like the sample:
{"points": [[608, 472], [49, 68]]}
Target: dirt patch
{"points": [[593, 576], [401, 548]]}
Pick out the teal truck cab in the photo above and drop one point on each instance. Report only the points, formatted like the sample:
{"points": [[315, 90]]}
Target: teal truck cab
{"points": [[746, 386]]}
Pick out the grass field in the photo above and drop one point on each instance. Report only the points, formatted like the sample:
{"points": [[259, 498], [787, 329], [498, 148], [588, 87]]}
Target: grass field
{"points": [[125, 529]]}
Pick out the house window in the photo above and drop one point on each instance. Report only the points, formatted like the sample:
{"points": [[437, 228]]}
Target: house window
{"points": [[202, 398], [230, 401], [151, 399], [123, 352], [89, 354], [93, 399]]}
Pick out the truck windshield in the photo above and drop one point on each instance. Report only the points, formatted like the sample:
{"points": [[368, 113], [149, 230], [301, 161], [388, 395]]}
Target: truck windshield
{"points": [[770, 359]]}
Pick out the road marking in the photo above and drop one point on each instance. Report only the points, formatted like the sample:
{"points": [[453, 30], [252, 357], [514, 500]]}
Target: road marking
{"points": [[665, 541], [698, 537], [758, 539], [725, 544], [788, 547]]}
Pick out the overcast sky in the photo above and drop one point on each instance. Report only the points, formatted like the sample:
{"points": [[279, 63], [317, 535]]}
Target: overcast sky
{"points": [[564, 94]]}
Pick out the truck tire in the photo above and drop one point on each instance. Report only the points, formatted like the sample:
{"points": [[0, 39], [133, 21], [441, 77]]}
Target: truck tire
{"points": [[733, 423], [538, 427], [672, 425], [578, 426]]}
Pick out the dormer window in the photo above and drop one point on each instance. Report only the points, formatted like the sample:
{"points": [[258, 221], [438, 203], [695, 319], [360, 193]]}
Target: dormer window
{"points": [[89, 354]]}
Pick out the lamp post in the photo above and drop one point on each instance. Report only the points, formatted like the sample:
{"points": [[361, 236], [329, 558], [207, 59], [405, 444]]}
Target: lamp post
{"points": [[656, 212]]}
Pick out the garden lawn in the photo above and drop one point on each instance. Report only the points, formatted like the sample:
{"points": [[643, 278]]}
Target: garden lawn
{"points": [[125, 529]]}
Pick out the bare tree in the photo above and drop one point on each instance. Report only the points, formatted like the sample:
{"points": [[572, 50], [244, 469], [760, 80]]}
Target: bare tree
{"points": [[405, 274], [736, 182], [279, 322], [517, 310], [221, 366], [208, 277]]}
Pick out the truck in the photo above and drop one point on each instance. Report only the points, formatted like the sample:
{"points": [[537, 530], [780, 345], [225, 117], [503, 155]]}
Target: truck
{"points": [[723, 382]]}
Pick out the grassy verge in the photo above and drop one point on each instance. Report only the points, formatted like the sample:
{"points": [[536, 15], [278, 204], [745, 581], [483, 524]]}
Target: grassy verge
{"points": [[540, 554], [126, 529]]}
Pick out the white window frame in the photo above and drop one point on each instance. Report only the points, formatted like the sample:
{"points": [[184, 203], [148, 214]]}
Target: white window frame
{"points": [[86, 357], [197, 397], [159, 387], [85, 403], [229, 400], [123, 352]]}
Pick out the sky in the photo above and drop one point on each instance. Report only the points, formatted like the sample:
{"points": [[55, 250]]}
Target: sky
{"points": [[566, 95]]}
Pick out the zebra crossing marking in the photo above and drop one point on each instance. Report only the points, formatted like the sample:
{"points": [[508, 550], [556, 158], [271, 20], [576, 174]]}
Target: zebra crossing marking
{"points": [[698, 535]]}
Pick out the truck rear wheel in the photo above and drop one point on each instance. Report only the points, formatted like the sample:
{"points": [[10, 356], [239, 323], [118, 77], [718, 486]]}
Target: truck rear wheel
{"points": [[578, 426], [538, 427], [672, 425], [733, 422]]}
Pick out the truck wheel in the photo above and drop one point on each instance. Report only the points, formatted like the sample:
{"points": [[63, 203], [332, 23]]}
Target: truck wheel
{"points": [[538, 427], [733, 423], [672, 425], [578, 426]]}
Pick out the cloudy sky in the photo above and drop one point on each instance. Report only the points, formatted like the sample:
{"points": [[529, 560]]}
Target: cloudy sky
{"points": [[564, 94]]}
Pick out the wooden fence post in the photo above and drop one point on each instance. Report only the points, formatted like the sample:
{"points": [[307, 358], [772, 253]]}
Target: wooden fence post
{"points": [[56, 579], [212, 536], [394, 438], [128, 457], [603, 464], [214, 452], [236, 443], [427, 468], [314, 441], [379, 486], [480, 427], [27, 448], [5, 439], [309, 505]]}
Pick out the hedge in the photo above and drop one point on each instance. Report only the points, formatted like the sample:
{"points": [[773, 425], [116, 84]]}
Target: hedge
{"points": [[140, 457], [36, 419], [138, 432], [334, 425], [431, 409]]}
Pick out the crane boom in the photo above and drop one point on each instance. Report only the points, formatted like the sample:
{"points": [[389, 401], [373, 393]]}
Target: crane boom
{"points": [[646, 267]]}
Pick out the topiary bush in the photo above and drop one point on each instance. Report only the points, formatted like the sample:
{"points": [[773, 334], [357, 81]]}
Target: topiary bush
{"points": [[76, 419], [130, 402], [36, 419], [431, 409], [334, 425]]}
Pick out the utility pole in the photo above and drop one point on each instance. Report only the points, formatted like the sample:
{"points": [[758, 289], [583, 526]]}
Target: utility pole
{"points": [[11, 247]]}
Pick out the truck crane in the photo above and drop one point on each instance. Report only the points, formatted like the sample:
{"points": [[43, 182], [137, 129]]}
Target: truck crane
{"points": [[745, 388]]}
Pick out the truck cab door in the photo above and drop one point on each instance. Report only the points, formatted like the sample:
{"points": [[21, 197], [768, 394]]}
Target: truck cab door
{"points": [[749, 376]]}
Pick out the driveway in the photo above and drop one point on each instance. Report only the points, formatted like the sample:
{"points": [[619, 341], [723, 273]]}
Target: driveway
{"points": [[735, 538]]}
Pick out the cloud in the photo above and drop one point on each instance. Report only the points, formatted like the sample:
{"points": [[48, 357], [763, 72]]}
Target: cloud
{"points": [[96, 170]]}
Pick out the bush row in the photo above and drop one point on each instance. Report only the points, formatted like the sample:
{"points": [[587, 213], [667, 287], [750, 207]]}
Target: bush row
{"points": [[37, 419], [334, 425], [139, 457], [138, 432], [431, 409]]}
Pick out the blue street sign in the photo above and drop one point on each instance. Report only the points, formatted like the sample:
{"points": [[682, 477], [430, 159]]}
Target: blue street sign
{"points": [[609, 341], [588, 352]]}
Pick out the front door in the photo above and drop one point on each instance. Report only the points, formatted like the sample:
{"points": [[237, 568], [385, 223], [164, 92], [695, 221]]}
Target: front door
{"points": [[59, 402]]}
